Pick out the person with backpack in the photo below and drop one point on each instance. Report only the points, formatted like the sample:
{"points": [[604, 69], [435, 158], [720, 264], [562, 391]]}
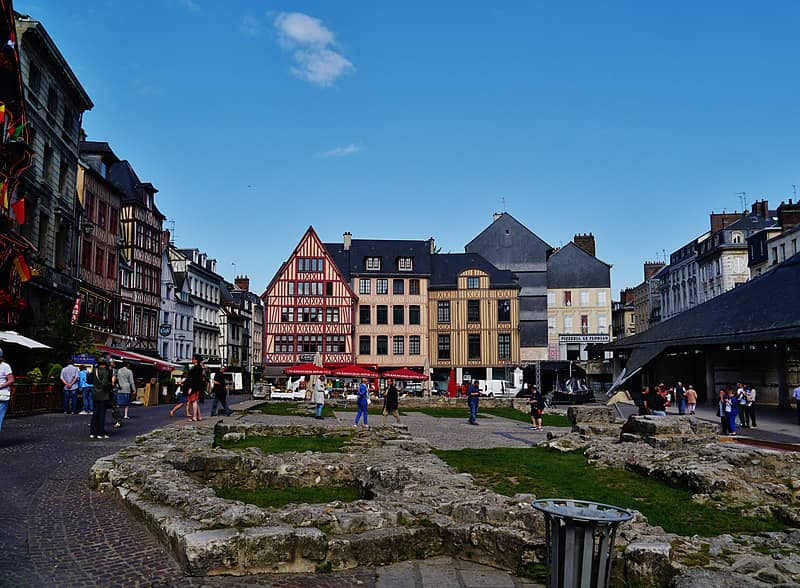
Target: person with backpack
{"points": [[86, 386]]}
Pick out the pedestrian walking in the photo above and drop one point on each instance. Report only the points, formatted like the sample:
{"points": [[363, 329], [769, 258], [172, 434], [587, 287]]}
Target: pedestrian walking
{"points": [[103, 390], [750, 394], [680, 397], [6, 380], [318, 398], [473, 399], [362, 403], [391, 403], [691, 399], [181, 399], [536, 402], [70, 377], [220, 390], [796, 396], [195, 385], [126, 388], [86, 387]]}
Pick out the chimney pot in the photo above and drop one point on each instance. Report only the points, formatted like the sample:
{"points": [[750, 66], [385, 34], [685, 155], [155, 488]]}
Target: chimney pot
{"points": [[496, 216], [347, 240], [586, 242]]}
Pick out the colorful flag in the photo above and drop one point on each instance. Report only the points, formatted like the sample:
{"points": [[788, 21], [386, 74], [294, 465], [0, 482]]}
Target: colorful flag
{"points": [[2, 113], [18, 208], [22, 268], [15, 132]]}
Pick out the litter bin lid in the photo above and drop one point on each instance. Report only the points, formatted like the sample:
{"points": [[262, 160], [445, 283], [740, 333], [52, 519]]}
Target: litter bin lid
{"points": [[582, 510]]}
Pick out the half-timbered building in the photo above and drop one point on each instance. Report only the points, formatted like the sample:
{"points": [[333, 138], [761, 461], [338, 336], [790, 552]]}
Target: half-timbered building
{"points": [[308, 309]]}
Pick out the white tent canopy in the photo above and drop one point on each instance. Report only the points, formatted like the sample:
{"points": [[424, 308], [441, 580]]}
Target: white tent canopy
{"points": [[17, 339]]}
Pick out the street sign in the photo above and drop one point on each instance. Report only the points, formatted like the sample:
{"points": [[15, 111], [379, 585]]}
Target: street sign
{"points": [[165, 329]]}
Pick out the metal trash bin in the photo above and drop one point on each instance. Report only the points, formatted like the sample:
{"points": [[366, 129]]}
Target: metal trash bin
{"points": [[580, 541]]}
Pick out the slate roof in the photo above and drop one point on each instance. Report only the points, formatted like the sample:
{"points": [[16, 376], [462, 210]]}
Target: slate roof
{"points": [[123, 176], [572, 267], [352, 263], [446, 267], [753, 222], [764, 309], [508, 243]]}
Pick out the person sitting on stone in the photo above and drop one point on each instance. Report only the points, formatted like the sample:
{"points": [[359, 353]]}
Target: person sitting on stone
{"points": [[657, 404]]}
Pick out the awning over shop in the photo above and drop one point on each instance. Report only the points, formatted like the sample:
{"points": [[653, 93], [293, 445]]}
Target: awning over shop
{"points": [[305, 369], [17, 339], [160, 364], [404, 374], [354, 371]]}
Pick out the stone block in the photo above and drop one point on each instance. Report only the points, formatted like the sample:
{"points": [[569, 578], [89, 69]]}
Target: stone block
{"points": [[211, 551], [647, 563], [311, 543], [267, 548], [591, 414]]}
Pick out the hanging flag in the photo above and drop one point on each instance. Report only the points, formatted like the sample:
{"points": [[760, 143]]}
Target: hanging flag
{"points": [[15, 132], [76, 310], [2, 113], [22, 268], [18, 208]]}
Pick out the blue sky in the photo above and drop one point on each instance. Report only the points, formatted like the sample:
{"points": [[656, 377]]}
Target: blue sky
{"points": [[632, 120]]}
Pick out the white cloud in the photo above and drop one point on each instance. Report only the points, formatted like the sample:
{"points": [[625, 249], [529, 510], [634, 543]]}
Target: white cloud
{"points": [[317, 57], [251, 26], [190, 5], [342, 151]]}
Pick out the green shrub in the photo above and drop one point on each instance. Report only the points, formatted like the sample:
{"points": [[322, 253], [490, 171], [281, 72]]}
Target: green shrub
{"points": [[34, 376]]}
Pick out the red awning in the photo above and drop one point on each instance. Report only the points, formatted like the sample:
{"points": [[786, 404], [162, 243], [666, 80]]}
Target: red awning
{"points": [[404, 374], [306, 369], [354, 371], [160, 364]]}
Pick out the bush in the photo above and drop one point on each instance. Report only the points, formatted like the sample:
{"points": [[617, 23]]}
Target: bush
{"points": [[54, 371], [34, 376]]}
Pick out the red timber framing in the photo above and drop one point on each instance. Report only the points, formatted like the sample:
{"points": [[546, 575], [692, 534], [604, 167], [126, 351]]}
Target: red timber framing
{"points": [[308, 308]]}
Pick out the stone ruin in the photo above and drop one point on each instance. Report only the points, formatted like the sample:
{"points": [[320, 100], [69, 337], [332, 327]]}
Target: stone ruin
{"points": [[414, 506]]}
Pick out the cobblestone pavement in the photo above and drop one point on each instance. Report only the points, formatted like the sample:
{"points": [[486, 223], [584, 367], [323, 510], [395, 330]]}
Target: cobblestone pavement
{"points": [[55, 531]]}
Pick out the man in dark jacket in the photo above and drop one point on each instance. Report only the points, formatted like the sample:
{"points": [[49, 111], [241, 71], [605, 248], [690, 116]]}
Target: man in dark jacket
{"points": [[103, 387], [220, 394], [391, 403], [473, 398]]}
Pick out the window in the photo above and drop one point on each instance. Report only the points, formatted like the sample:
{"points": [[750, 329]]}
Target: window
{"points": [[473, 282], [290, 288], [584, 324], [551, 299], [373, 264], [443, 311], [52, 100], [99, 261], [381, 286], [332, 315], [113, 220], [413, 314], [334, 344], [473, 346], [443, 347], [602, 323], [284, 344], [567, 324], [101, 215], [405, 264], [364, 345], [398, 287], [328, 288], [504, 311], [111, 267], [774, 255], [363, 314], [364, 287], [69, 121], [86, 256], [309, 264], [382, 345], [503, 346], [382, 315], [398, 315], [287, 314], [783, 251], [34, 78], [567, 298], [414, 345], [584, 298], [47, 160], [63, 169], [398, 345], [601, 298], [309, 343], [473, 311], [794, 246], [309, 315], [413, 287], [551, 324]]}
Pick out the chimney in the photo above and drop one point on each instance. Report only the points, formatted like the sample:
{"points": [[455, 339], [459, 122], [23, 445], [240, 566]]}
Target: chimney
{"points": [[761, 208], [347, 239], [242, 283], [432, 244], [165, 239], [651, 268], [789, 215], [720, 220], [496, 216], [585, 242]]}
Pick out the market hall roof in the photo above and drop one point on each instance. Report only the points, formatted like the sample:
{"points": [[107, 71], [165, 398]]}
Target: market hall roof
{"points": [[447, 266]]}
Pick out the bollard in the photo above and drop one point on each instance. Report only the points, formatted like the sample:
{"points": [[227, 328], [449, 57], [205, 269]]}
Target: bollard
{"points": [[580, 541]]}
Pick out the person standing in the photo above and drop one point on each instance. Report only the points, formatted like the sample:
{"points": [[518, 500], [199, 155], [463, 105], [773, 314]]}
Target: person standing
{"points": [[644, 401], [362, 403], [796, 396], [103, 389], [750, 394], [220, 389], [473, 399], [6, 380], [691, 399], [536, 402], [70, 377], [724, 410], [195, 385], [318, 397], [680, 398], [127, 387], [391, 403], [732, 410], [86, 386], [741, 402]]}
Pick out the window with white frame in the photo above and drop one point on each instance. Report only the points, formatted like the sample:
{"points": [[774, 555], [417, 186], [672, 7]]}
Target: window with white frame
{"points": [[405, 264], [373, 264], [584, 298], [551, 299], [398, 345], [381, 286], [567, 324], [601, 298], [602, 323], [551, 324], [414, 345], [364, 287]]}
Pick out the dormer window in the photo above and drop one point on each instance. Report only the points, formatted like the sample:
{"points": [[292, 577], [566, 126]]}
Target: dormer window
{"points": [[373, 264], [405, 264]]}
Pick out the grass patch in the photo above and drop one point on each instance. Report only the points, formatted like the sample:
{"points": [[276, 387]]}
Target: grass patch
{"points": [[291, 409], [284, 443], [548, 473], [533, 571], [548, 419], [325, 568], [377, 411], [276, 497]]}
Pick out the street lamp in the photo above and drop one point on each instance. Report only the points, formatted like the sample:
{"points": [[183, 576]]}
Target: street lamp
{"points": [[88, 227]]}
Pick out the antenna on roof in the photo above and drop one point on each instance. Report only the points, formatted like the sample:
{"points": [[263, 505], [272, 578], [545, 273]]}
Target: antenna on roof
{"points": [[503, 201], [794, 190], [743, 199]]}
